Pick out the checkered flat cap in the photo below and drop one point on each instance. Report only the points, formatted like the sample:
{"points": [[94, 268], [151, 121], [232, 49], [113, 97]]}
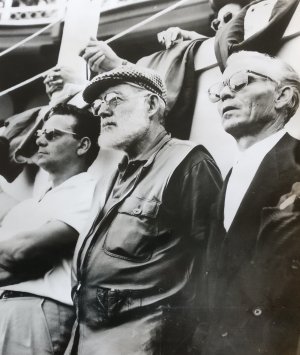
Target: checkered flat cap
{"points": [[144, 77]]}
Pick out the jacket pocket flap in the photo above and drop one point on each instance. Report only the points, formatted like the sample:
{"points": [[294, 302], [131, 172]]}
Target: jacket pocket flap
{"points": [[137, 206]]}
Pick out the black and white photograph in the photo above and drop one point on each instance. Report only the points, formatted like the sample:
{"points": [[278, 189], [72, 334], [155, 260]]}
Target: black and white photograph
{"points": [[149, 177]]}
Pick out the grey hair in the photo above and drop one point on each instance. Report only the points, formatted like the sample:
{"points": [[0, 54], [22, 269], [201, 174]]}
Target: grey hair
{"points": [[161, 112], [279, 71]]}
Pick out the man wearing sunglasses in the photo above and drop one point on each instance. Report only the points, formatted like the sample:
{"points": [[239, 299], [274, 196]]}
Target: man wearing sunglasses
{"points": [[38, 237], [136, 270], [256, 98], [224, 11]]}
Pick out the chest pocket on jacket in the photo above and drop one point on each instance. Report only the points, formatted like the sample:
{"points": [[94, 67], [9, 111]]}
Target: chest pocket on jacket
{"points": [[132, 233]]}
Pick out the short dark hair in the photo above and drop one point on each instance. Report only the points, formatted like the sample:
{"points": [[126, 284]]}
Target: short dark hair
{"points": [[87, 125]]}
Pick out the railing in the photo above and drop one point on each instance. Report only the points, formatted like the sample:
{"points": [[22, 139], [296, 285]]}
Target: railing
{"points": [[30, 12], [115, 37], [113, 4], [41, 12]]}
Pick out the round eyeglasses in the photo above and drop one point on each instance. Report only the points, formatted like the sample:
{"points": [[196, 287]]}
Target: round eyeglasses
{"points": [[111, 100], [236, 82]]}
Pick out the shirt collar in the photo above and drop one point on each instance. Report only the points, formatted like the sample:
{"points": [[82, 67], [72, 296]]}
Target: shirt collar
{"points": [[262, 147], [158, 142]]}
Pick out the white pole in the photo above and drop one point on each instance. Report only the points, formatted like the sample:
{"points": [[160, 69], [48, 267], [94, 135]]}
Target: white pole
{"points": [[81, 23], [123, 33]]}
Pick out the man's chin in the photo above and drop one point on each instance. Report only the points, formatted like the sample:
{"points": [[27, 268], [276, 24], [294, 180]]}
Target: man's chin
{"points": [[242, 129], [41, 163], [234, 126], [109, 142]]}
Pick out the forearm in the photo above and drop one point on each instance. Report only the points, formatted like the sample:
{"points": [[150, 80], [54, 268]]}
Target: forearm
{"points": [[20, 260], [8, 262], [33, 253], [191, 35]]}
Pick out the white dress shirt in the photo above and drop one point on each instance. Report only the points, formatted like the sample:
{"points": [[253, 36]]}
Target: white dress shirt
{"points": [[243, 171]]}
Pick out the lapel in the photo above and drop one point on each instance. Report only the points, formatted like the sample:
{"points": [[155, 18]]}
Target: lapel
{"points": [[228, 252], [217, 230], [274, 177], [221, 199]]}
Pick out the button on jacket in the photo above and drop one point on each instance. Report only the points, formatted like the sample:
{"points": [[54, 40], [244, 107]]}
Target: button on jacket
{"points": [[244, 317], [137, 269]]}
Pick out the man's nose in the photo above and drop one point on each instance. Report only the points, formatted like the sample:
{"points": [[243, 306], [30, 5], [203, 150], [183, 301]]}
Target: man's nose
{"points": [[226, 93], [41, 140], [102, 109]]}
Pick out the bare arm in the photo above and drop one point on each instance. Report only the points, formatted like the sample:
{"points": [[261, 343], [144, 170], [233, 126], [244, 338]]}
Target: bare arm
{"points": [[62, 82], [174, 35], [30, 254], [100, 56]]}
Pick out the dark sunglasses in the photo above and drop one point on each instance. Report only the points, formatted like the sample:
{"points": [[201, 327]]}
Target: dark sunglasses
{"points": [[216, 22], [236, 82], [50, 134]]}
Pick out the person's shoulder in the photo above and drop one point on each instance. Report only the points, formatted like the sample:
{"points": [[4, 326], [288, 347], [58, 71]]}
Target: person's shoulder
{"points": [[78, 183], [82, 177], [288, 142], [186, 149], [197, 151], [196, 158]]}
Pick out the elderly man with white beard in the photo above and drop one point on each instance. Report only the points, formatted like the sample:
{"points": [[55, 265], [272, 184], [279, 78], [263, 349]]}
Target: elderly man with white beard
{"points": [[136, 269]]}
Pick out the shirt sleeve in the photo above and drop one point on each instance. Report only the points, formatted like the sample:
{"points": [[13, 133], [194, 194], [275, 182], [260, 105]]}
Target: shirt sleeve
{"points": [[193, 188], [73, 205]]}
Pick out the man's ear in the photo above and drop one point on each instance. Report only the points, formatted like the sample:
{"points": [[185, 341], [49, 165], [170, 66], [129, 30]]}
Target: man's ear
{"points": [[153, 101], [83, 146], [283, 96]]}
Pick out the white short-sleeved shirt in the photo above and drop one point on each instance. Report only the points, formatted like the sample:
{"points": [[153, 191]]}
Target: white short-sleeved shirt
{"points": [[70, 202]]}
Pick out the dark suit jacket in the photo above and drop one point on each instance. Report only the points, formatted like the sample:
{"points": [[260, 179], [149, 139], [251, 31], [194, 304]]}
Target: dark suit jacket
{"points": [[239, 323]]}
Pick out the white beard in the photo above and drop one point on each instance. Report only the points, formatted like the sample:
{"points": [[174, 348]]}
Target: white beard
{"points": [[120, 138]]}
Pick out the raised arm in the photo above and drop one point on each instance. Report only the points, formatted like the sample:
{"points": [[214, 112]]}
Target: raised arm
{"points": [[174, 35], [100, 57], [62, 82]]}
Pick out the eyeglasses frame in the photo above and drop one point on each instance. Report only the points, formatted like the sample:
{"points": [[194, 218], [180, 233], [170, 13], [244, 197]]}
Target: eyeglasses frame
{"points": [[227, 82], [44, 132], [107, 103]]}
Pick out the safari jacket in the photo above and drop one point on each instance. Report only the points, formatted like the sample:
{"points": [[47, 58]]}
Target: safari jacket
{"points": [[135, 271]]}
